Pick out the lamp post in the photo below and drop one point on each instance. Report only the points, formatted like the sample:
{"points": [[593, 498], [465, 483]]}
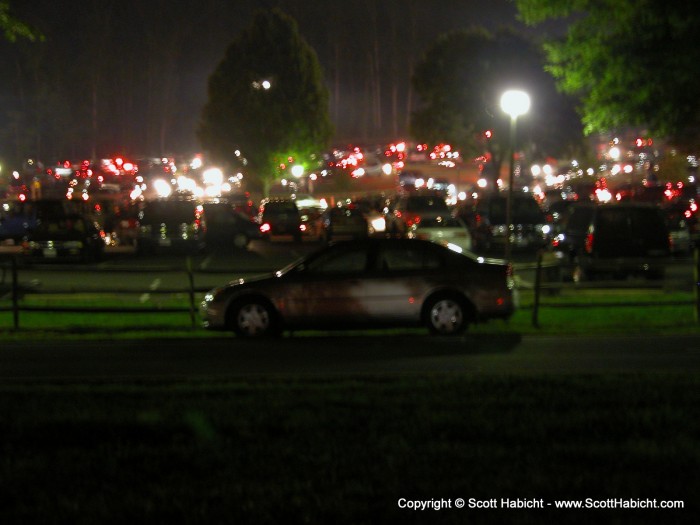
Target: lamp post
{"points": [[513, 103]]}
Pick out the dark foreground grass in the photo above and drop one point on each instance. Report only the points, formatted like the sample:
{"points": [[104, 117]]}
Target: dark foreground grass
{"points": [[347, 451]]}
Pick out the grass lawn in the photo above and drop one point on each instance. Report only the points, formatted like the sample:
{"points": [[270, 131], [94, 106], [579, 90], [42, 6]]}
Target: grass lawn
{"points": [[346, 451]]}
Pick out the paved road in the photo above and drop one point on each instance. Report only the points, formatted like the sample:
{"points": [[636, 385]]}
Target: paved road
{"points": [[345, 356]]}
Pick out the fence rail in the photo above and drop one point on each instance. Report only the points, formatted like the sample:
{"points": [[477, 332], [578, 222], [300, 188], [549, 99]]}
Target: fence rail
{"points": [[11, 286]]}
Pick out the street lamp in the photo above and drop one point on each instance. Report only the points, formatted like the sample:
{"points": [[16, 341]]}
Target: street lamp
{"points": [[513, 103]]}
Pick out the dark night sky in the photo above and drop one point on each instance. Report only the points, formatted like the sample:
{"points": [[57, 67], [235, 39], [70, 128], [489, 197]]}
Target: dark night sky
{"points": [[132, 74]]}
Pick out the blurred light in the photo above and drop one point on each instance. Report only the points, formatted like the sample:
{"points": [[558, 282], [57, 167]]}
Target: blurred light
{"points": [[482, 183], [162, 188], [196, 163], [387, 169], [515, 103], [213, 177], [297, 170]]}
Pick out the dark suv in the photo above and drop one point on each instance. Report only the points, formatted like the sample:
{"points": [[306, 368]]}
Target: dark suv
{"points": [[280, 217], [177, 225], [614, 239]]}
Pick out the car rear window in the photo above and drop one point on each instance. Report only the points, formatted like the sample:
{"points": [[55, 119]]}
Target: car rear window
{"points": [[426, 204], [168, 212], [281, 207]]}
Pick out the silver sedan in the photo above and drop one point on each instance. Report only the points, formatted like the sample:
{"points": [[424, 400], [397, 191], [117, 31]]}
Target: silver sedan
{"points": [[384, 282]]}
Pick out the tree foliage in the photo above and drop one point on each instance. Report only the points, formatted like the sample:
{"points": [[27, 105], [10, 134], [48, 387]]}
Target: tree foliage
{"points": [[14, 28], [632, 63], [268, 125], [460, 81]]}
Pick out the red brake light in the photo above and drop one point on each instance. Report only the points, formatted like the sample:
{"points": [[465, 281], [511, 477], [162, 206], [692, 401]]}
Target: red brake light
{"points": [[589, 243], [265, 228]]}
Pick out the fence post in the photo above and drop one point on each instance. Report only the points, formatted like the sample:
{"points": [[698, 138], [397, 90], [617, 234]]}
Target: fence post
{"points": [[538, 285], [15, 295], [696, 276], [190, 277]]}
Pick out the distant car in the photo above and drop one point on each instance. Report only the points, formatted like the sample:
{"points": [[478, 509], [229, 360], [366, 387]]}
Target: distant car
{"points": [[228, 227], [376, 282], [72, 237], [345, 222], [614, 239], [280, 217], [15, 223], [487, 219], [451, 232], [19, 218], [171, 224], [682, 224], [412, 208]]}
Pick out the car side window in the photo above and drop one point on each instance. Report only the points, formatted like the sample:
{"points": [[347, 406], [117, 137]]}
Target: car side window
{"points": [[403, 258], [352, 260]]}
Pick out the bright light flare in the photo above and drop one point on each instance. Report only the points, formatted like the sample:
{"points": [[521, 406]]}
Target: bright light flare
{"points": [[515, 103], [213, 177], [162, 188]]}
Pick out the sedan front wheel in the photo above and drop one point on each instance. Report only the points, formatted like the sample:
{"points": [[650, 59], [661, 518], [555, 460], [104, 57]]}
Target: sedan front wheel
{"points": [[253, 318]]}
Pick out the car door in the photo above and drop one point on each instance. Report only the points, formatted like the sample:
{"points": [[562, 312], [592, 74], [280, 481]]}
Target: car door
{"points": [[407, 270], [331, 289]]}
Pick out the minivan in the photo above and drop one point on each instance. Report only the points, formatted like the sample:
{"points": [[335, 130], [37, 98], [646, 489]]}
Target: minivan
{"points": [[619, 240], [171, 224]]}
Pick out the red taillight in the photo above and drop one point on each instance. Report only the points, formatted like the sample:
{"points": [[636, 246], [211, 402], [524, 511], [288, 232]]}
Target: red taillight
{"points": [[265, 228], [589, 243]]}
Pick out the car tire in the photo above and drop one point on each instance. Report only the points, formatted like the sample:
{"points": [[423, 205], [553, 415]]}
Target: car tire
{"points": [[240, 241], [253, 318], [447, 315]]}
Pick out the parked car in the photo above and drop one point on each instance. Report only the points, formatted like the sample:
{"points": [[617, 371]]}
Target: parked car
{"points": [[411, 208], [375, 282], [228, 227], [486, 220], [280, 217], [614, 239], [345, 222], [448, 231], [19, 218], [171, 224], [15, 223], [72, 237]]}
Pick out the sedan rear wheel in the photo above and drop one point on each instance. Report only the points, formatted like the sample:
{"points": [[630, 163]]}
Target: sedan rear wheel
{"points": [[447, 316], [240, 241], [253, 319]]}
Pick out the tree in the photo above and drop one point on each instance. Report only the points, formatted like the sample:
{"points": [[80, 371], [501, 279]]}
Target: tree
{"points": [[631, 63], [13, 28], [267, 99], [460, 81]]}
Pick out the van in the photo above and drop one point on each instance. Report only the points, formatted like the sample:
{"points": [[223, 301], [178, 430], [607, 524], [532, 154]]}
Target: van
{"points": [[619, 240], [171, 225]]}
